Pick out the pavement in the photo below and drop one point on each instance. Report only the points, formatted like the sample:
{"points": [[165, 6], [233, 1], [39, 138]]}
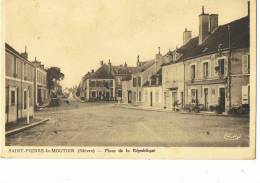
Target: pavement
{"points": [[106, 124], [20, 126]]}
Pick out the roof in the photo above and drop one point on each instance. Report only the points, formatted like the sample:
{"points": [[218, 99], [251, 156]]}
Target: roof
{"points": [[154, 79], [104, 72], [9, 47], [118, 70], [239, 38], [145, 65]]}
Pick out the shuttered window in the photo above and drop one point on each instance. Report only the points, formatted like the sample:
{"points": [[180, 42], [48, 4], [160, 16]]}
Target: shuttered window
{"points": [[245, 94], [245, 64]]}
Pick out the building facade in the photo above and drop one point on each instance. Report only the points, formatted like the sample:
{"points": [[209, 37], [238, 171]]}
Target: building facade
{"points": [[152, 91], [215, 67], [19, 87], [105, 84], [144, 73], [40, 84]]}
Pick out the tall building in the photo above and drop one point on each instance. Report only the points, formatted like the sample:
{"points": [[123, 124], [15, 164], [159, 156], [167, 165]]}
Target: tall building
{"points": [[19, 85], [215, 67], [40, 84]]}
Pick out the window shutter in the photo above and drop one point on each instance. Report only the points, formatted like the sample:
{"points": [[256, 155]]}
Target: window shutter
{"points": [[215, 64], [245, 97], [245, 64], [225, 67]]}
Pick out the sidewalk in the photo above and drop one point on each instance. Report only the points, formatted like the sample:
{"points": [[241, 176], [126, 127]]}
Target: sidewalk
{"points": [[205, 113], [17, 127]]}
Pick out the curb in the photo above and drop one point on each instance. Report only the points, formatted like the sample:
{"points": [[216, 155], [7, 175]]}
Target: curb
{"points": [[17, 130], [189, 113]]}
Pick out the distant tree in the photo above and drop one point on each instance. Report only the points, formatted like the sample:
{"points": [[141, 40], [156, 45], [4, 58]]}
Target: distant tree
{"points": [[54, 74]]}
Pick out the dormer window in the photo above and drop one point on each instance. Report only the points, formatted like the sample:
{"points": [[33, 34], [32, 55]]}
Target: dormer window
{"points": [[205, 49]]}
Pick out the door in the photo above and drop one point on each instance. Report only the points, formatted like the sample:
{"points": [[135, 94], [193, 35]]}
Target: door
{"points": [[182, 101], [151, 98], [107, 96], [174, 99], [17, 105], [206, 98], [129, 97], [39, 95], [222, 99], [12, 109]]}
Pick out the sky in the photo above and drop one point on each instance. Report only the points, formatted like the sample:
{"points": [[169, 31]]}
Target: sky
{"points": [[76, 35]]}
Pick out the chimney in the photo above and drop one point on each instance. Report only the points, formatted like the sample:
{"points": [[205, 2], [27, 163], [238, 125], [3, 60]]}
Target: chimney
{"points": [[158, 59], [186, 36], [25, 54], [101, 62], [248, 8], [138, 61], [203, 26], [213, 22], [109, 66], [125, 64], [92, 70]]}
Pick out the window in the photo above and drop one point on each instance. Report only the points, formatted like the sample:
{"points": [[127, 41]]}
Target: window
{"points": [[92, 83], [221, 66], [139, 81], [205, 69], [12, 98], [245, 64], [24, 99], [194, 97], [134, 82], [15, 67], [140, 96], [193, 71], [119, 93], [245, 94], [93, 94]]}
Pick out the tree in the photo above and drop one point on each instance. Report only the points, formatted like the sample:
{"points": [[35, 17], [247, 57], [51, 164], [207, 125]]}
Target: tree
{"points": [[54, 74]]}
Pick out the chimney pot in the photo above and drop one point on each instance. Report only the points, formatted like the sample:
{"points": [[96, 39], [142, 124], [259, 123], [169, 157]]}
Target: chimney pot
{"points": [[101, 62], [187, 35], [92, 70], [204, 22], [213, 22]]}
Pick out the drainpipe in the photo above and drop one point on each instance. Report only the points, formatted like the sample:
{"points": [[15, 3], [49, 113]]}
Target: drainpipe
{"points": [[229, 67], [184, 89], [28, 112]]}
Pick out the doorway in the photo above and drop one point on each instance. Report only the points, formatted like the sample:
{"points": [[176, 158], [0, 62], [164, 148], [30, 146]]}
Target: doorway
{"points": [[222, 99], [206, 103], [12, 110], [151, 98], [129, 97], [174, 100]]}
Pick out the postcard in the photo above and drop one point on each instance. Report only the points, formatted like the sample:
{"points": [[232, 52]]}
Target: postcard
{"points": [[128, 79]]}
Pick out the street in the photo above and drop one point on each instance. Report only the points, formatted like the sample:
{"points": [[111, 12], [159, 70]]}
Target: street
{"points": [[107, 124]]}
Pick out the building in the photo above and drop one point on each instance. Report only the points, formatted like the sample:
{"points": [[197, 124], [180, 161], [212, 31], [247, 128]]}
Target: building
{"points": [[19, 85], [152, 91], [145, 70], [105, 84], [173, 82], [215, 67], [40, 84]]}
